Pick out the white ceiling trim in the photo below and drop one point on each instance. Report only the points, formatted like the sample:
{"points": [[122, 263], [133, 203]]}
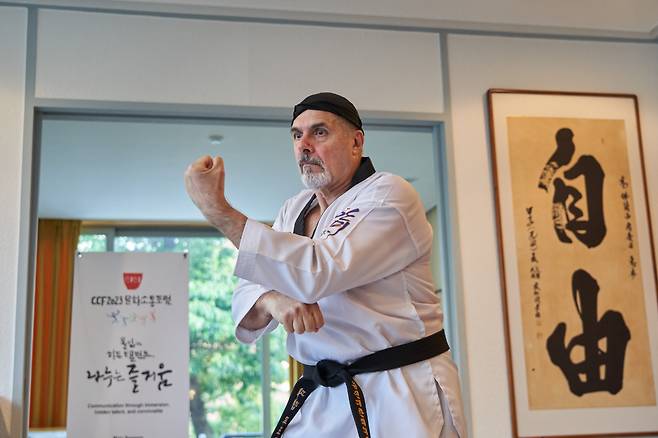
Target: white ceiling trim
{"points": [[181, 111], [333, 19]]}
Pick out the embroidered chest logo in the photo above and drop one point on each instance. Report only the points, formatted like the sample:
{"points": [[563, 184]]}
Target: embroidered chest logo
{"points": [[341, 221]]}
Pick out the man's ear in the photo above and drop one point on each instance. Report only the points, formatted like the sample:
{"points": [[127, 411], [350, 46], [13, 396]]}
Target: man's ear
{"points": [[359, 139]]}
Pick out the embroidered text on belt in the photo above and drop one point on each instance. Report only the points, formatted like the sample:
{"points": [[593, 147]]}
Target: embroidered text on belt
{"points": [[331, 373]]}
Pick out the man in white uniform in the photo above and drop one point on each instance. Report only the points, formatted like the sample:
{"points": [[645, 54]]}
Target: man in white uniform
{"points": [[346, 269]]}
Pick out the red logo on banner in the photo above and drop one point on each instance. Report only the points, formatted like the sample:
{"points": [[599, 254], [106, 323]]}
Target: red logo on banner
{"points": [[132, 280]]}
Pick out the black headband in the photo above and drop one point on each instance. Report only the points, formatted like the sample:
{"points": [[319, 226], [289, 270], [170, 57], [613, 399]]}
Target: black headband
{"points": [[329, 102]]}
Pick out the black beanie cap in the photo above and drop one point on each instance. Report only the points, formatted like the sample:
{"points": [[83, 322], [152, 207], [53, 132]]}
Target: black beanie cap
{"points": [[329, 102]]}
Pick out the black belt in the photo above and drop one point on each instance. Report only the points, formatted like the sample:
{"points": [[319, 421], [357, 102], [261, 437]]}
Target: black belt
{"points": [[332, 373]]}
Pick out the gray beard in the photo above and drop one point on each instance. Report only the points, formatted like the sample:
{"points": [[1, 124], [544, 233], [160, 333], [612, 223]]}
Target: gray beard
{"points": [[315, 181]]}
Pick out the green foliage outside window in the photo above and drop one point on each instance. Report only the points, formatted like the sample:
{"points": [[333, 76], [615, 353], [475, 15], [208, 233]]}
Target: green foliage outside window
{"points": [[92, 243]]}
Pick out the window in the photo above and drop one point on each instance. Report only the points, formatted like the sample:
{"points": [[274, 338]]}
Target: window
{"points": [[235, 389]]}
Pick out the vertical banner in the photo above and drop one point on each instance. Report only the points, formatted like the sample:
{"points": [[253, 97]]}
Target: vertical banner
{"points": [[128, 373], [577, 258]]}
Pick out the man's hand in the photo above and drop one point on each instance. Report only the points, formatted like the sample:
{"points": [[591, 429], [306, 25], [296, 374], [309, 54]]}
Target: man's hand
{"points": [[295, 316], [204, 182]]}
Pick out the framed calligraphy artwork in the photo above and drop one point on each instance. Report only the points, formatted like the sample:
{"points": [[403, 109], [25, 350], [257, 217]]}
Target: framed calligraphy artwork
{"points": [[577, 261]]}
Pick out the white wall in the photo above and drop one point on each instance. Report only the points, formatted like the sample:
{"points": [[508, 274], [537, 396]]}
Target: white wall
{"points": [[477, 64], [13, 41], [151, 59]]}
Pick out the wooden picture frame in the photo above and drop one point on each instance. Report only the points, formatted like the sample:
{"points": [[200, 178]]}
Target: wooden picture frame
{"points": [[577, 263]]}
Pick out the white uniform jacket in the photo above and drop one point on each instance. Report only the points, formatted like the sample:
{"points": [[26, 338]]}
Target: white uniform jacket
{"points": [[368, 268]]}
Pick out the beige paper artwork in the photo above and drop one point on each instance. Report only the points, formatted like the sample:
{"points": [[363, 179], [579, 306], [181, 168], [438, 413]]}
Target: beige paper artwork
{"points": [[582, 300]]}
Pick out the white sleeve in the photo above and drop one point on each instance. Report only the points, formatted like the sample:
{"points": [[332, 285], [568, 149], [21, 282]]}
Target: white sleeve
{"points": [[380, 234], [245, 296]]}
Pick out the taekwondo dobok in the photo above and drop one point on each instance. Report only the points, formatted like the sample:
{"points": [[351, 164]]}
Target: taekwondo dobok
{"points": [[368, 268]]}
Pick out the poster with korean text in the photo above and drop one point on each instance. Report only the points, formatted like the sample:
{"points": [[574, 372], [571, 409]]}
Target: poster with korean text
{"points": [[578, 257], [128, 372]]}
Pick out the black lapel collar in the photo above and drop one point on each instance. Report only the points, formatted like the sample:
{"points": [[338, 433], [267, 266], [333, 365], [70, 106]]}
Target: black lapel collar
{"points": [[364, 170]]}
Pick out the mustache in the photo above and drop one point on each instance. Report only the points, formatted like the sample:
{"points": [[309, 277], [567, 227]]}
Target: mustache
{"points": [[307, 159]]}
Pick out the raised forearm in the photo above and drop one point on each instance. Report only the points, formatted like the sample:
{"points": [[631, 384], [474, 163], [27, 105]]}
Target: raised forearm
{"points": [[229, 221]]}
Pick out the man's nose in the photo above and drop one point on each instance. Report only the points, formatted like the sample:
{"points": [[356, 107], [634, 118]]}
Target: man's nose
{"points": [[305, 143]]}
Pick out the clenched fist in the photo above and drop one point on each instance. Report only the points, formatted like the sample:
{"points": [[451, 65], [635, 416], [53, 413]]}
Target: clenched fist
{"points": [[204, 182], [293, 315]]}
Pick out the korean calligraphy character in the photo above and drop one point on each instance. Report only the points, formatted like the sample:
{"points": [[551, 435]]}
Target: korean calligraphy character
{"points": [[109, 377], [149, 375], [133, 375], [94, 376], [163, 380]]}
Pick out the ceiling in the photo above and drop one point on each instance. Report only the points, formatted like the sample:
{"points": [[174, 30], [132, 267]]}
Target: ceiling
{"points": [[613, 18], [123, 170]]}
